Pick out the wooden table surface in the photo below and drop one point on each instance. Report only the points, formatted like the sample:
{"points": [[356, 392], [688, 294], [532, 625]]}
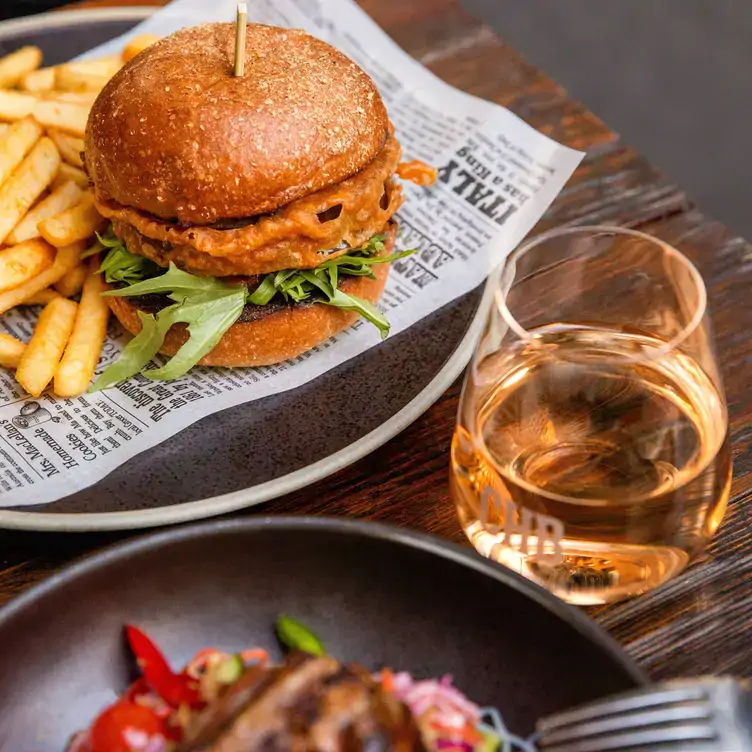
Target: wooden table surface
{"points": [[698, 623]]}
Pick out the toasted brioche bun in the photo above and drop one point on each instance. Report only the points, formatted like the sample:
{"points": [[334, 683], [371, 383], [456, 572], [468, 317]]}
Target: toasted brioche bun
{"points": [[176, 135], [278, 336]]}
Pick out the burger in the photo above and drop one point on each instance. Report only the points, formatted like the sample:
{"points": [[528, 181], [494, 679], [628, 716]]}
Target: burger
{"points": [[252, 217]]}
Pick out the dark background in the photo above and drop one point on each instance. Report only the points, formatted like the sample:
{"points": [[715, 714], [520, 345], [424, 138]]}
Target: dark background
{"points": [[672, 76]]}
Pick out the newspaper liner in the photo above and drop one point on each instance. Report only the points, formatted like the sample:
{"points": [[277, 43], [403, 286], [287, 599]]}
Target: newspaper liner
{"points": [[497, 177]]}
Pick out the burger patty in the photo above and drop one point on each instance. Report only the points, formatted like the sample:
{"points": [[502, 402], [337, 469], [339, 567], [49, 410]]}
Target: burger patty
{"points": [[155, 302], [190, 260], [294, 236]]}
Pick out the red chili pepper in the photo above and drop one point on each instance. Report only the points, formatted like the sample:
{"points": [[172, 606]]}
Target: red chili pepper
{"points": [[137, 689], [174, 689]]}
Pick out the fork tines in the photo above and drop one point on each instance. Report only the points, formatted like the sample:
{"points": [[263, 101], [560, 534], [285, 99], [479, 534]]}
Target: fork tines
{"points": [[687, 716]]}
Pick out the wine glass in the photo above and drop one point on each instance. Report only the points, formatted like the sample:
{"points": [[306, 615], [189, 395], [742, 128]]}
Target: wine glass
{"points": [[591, 452]]}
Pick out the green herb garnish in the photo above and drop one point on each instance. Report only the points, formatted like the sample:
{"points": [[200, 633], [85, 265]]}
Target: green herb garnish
{"points": [[294, 636], [209, 306], [120, 265], [300, 284]]}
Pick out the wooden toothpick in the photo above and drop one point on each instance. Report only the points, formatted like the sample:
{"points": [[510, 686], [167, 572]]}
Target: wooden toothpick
{"points": [[240, 39]]}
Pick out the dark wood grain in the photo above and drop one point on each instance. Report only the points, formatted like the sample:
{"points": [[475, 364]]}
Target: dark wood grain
{"points": [[699, 622]]}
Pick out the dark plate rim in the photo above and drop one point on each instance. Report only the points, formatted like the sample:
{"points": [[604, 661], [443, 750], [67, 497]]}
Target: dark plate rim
{"points": [[120, 553], [233, 501], [62, 17]]}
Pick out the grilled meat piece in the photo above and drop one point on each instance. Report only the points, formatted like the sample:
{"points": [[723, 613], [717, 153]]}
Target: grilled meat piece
{"points": [[305, 705]]}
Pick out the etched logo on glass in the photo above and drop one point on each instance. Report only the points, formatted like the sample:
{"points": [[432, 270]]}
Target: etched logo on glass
{"points": [[528, 533]]}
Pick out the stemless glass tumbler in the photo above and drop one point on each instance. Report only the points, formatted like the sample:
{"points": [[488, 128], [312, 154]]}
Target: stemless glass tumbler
{"points": [[591, 451]]}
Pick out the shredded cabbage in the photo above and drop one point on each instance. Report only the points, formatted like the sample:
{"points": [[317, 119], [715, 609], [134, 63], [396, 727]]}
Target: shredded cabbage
{"points": [[449, 721]]}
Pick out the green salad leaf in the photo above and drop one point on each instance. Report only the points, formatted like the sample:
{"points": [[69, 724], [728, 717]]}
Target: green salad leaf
{"points": [[208, 316], [136, 355], [300, 284], [120, 265], [109, 239], [210, 306], [175, 283], [374, 245], [96, 247], [295, 636], [336, 297]]}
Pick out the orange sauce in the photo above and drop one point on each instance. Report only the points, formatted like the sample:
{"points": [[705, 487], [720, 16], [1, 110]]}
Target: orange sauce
{"points": [[417, 172]]}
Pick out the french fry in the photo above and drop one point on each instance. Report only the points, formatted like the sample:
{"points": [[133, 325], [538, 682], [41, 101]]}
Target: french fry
{"points": [[76, 369], [77, 223], [40, 359], [138, 44], [42, 297], [70, 284], [68, 194], [87, 74], [65, 259], [69, 117], [26, 184], [107, 65], [22, 262], [15, 66], [16, 143], [67, 173], [4, 127], [11, 351], [15, 105], [78, 97], [70, 79], [38, 81], [70, 147]]}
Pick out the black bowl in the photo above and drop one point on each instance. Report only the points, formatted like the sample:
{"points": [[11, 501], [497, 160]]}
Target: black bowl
{"points": [[374, 594]]}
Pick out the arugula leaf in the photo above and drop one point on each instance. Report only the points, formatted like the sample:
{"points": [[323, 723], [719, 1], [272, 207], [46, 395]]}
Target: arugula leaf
{"points": [[298, 285], [340, 299], [120, 265], [208, 315], [109, 239], [210, 306], [318, 280], [264, 292], [374, 245], [136, 355], [284, 275], [96, 247], [173, 282], [360, 265], [364, 307]]}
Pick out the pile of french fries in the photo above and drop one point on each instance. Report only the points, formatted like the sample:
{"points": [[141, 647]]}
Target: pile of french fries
{"points": [[48, 221]]}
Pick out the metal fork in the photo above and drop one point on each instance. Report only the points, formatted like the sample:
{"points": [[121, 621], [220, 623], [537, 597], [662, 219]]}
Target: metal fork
{"points": [[698, 715]]}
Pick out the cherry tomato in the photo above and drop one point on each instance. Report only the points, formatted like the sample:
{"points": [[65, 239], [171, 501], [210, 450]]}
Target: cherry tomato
{"points": [[111, 731]]}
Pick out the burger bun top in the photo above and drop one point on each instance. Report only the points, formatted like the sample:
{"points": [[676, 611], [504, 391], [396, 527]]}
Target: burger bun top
{"points": [[175, 134]]}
